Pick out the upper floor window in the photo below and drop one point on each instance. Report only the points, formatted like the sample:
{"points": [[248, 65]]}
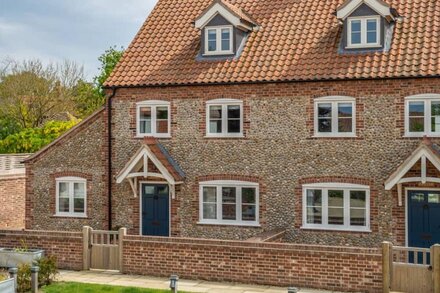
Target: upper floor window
{"points": [[422, 115], [363, 32], [336, 206], [224, 118], [229, 203], [153, 119], [71, 196], [335, 116], [219, 40]]}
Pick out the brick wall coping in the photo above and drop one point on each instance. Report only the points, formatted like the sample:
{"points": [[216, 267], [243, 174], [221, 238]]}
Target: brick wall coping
{"points": [[254, 245], [35, 233], [12, 177]]}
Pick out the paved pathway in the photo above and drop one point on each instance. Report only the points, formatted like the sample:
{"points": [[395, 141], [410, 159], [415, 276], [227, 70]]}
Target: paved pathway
{"points": [[117, 279]]}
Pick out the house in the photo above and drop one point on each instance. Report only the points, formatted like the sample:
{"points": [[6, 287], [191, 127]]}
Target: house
{"points": [[232, 118], [12, 191]]}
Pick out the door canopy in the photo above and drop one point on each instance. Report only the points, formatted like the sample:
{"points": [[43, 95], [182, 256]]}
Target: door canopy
{"points": [[426, 152], [151, 161]]}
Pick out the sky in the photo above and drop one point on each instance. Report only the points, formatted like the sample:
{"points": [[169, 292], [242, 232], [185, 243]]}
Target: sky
{"points": [[76, 30]]}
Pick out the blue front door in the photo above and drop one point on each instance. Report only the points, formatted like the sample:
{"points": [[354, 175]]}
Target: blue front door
{"points": [[423, 218], [155, 210]]}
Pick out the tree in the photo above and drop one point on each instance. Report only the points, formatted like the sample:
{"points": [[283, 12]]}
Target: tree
{"points": [[31, 93], [8, 126], [90, 96]]}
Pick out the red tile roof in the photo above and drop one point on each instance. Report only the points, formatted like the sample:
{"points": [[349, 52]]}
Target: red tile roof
{"points": [[297, 40]]}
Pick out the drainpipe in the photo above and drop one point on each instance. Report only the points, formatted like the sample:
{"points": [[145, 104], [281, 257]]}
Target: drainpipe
{"points": [[109, 158]]}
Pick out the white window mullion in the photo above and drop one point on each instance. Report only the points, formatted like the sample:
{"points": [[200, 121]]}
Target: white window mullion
{"points": [[224, 119], [153, 120], [335, 117], [427, 118], [219, 203], [239, 205], [71, 197], [325, 207], [363, 31], [346, 208], [219, 39]]}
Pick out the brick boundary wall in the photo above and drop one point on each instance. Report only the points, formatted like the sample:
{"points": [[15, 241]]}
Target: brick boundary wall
{"points": [[66, 246], [321, 267], [12, 202]]}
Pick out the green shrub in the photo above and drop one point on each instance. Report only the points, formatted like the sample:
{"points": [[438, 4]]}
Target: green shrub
{"points": [[46, 275], [3, 275], [48, 270]]}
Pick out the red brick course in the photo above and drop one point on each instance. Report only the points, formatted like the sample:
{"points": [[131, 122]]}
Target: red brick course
{"points": [[66, 246], [12, 202], [323, 267]]}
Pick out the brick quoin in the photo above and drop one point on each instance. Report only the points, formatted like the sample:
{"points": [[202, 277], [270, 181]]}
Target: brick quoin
{"points": [[12, 202]]}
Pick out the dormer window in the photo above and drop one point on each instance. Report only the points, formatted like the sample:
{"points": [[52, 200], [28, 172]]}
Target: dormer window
{"points": [[363, 32], [218, 40], [224, 30], [366, 24]]}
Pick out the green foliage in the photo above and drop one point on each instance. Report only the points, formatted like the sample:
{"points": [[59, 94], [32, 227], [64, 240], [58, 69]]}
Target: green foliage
{"points": [[48, 270], [30, 140], [72, 287], [23, 246], [24, 278], [8, 126], [3, 275], [108, 61]]}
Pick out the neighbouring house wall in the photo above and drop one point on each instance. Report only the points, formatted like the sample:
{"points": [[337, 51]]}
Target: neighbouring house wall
{"points": [[12, 202], [279, 151], [81, 154], [66, 246]]}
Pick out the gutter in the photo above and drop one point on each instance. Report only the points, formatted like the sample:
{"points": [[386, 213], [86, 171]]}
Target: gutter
{"points": [[109, 158]]}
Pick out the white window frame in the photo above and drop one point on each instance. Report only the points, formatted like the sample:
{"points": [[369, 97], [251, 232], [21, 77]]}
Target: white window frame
{"points": [[334, 101], [219, 50], [427, 99], [363, 20], [336, 186], [70, 181], [224, 103], [219, 184], [153, 104]]}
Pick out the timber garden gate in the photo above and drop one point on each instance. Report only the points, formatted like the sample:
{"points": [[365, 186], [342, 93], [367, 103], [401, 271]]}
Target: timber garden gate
{"points": [[102, 250], [411, 270]]}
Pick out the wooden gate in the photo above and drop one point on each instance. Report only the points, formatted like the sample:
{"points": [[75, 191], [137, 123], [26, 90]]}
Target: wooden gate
{"points": [[411, 270], [103, 249]]}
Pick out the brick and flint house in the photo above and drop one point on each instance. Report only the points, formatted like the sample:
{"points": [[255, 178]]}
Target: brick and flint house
{"points": [[230, 118]]}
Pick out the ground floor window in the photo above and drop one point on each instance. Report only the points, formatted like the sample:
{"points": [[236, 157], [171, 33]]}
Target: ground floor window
{"points": [[336, 206], [71, 196], [229, 203]]}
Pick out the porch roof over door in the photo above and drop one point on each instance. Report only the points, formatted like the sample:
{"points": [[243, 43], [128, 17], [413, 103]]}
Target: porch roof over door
{"points": [[426, 152], [138, 166]]}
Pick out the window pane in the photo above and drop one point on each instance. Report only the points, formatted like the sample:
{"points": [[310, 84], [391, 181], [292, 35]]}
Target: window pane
{"points": [[234, 126], [325, 125], [212, 40], [336, 216], [145, 113], [215, 126], [355, 25], [78, 205], [145, 126], [248, 212], [229, 195], [371, 31], [148, 189], [358, 199], [226, 38], [418, 197], [345, 125], [355, 38], [433, 198], [248, 195], [435, 116], [371, 25], [357, 217], [162, 190], [416, 109], [335, 198], [314, 215], [372, 37], [215, 112], [229, 212], [345, 110], [162, 126], [356, 32], [209, 194], [79, 190], [162, 112], [209, 211], [63, 205], [324, 110], [314, 197], [63, 189], [233, 112], [416, 124]]}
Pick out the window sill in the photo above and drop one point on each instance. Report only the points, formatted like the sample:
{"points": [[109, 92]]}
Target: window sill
{"points": [[238, 224], [324, 229], [408, 135], [335, 136], [218, 54], [151, 135], [224, 136], [70, 216], [375, 46]]}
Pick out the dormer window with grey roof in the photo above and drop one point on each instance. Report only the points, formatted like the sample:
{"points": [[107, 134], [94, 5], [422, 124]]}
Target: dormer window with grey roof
{"points": [[224, 30], [367, 25]]}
